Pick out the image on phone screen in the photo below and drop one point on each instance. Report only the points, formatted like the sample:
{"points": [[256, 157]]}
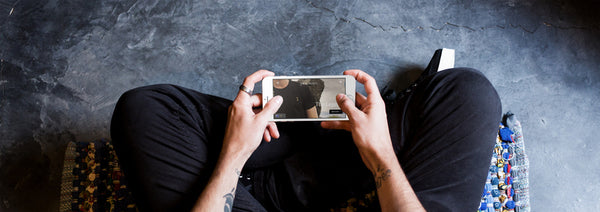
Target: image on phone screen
{"points": [[309, 98]]}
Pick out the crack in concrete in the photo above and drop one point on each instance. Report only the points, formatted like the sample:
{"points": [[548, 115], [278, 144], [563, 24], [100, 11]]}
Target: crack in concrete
{"points": [[571, 27], [370, 24], [453, 25], [470, 28], [326, 10], [323, 8], [523, 28], [484, 27]]}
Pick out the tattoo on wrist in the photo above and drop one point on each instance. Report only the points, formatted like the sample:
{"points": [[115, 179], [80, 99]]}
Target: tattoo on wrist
{"points": [[381, 175], [229, 196], [229, 200]]}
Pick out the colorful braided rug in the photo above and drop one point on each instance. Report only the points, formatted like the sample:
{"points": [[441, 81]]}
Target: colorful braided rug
{"points": [[92, 179], [507, 185]]}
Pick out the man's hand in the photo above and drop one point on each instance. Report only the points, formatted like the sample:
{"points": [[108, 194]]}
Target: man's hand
{"points": [[245, 129], [245, 126], [368, 124]]}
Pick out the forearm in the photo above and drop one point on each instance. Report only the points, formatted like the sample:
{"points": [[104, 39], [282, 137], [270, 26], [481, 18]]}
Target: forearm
{"points": [[394, 191], [372, 138], [219, 193], [243, 133]]}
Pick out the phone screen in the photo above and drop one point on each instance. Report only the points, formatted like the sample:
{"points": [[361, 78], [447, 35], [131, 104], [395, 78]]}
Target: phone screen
{"points": [[308, 98]]}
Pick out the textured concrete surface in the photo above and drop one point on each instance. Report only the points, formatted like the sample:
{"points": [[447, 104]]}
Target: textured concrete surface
{"points": [[65, 63]]}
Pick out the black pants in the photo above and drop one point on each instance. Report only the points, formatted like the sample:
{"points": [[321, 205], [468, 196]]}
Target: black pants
{"points": [[168, 139]]}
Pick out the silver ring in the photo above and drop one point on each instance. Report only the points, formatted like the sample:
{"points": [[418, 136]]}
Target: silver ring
{"points": [[246, 89]]}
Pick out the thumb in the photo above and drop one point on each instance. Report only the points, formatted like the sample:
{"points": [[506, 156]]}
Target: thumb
{"points": [[347, 105], [271, 107]]}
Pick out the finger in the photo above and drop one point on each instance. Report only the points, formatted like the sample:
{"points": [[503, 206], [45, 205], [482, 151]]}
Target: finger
{"points": [[271, 107], [255, 77], [256, 100], [273, 131], [266, 136], [336, 125], [365, 79], [252, 79], [360, 100], [347, 105]]}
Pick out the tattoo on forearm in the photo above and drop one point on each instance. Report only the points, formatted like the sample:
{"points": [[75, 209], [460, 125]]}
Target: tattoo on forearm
{"points": [[229, 197], [381, 175], [229, 200]]}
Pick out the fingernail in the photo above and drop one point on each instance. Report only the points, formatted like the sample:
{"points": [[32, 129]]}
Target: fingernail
{"points": [[340, 96]]}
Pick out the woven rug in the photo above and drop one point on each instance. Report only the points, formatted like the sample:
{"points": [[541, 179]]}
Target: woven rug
{"points": [[92, 179], [507, 185]]}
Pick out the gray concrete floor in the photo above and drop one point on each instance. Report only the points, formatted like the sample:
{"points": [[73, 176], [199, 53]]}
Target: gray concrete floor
{"points": [[65, 63]]}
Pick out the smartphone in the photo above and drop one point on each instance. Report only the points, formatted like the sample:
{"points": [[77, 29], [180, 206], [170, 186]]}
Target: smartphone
{"points": [[308, 98]]}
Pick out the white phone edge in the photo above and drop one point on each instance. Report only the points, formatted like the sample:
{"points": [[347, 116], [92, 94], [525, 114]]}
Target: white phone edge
{"points": [[267, 93]]}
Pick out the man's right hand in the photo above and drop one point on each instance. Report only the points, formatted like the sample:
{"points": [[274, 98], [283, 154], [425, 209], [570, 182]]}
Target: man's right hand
{"points": [[368, 122]]}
